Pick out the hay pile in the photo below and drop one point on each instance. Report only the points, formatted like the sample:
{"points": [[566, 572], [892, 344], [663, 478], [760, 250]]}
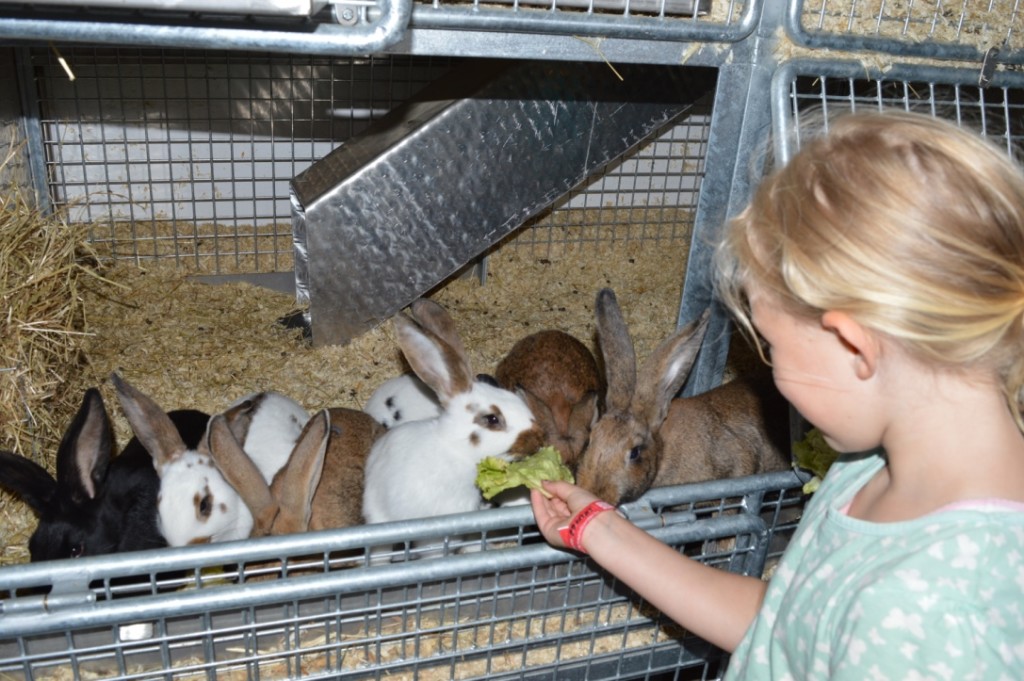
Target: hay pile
{"points": [[43, 262], [44, 265], [189, 344]]}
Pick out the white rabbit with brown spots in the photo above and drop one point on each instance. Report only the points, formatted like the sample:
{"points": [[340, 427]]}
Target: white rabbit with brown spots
{"points": [[196, 504], [428, 467]]}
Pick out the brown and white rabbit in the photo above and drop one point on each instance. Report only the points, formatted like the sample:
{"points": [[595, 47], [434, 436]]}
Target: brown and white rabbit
{"points": [[196, 504], [647, 437], [558, 377], [321, 485], [428, 467]]}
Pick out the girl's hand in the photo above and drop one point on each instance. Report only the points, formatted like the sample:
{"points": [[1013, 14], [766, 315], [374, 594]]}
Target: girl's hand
{"points": [[554, 513]]}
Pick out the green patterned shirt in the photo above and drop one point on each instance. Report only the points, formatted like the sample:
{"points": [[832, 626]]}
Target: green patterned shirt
{"points": [[939, 597]]}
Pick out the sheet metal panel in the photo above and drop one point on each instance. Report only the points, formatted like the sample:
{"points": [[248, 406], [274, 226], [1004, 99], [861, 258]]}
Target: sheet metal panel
{"points": [[391, 214]]}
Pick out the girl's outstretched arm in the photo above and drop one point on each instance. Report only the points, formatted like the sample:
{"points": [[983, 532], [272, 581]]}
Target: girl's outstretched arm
{"points": [[714, 604]]}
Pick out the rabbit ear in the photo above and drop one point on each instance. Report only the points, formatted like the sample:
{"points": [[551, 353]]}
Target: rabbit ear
{"points": [[541, 411], [29, 481], [434, 360], [242, 474], [85, 450], [665, 371], [150, 424], [239, 417], [437, 320], [617, 351], [584, 413], [295, 484]]}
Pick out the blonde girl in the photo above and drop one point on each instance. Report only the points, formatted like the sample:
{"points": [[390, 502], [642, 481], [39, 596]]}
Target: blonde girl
{"points": [[881, 270]]}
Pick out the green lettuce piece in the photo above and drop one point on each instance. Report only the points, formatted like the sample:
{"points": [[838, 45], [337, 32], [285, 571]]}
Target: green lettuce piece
{"points": [[494, 475], [813, 454]]}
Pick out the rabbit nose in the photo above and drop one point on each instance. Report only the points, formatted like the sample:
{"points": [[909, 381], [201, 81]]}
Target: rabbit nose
{"points": [[528, 442]]}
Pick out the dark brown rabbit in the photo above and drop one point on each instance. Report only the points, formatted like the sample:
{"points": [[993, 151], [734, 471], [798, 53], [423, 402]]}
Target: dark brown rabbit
{"points": [[558, 377], [645, 438], [320, 486]]}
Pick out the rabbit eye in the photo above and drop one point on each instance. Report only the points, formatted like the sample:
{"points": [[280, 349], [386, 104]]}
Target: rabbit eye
{"points": [[204, 505], [635, 453], [491, 421], [77, 550]]}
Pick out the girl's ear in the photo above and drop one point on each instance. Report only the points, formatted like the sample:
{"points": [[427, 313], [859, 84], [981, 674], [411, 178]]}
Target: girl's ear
{"points": [[860, 342]]}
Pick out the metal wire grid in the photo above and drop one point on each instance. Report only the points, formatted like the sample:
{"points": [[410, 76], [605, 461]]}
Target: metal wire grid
{"points": [[718, 20], [649, 196], [511, 607], [940, 29], [997, 111], [186, 156]]}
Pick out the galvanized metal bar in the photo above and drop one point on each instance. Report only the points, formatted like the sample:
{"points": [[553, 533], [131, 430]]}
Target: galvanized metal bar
{"points": [[741, 120], [76, 615], [386, 28], [32, 129]]}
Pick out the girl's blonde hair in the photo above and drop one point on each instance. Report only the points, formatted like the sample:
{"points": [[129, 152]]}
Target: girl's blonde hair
{"points": [[911, 225]]}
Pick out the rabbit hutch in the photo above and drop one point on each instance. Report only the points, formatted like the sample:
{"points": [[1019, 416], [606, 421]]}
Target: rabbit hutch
{"points": [[255, 187]]}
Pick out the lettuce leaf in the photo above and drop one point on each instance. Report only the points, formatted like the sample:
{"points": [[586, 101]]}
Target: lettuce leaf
{"points": [[495, 475], [813, 454]]}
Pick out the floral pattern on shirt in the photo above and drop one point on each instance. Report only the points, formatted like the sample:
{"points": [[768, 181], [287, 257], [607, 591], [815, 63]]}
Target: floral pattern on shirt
{"points": [[938, 598]]}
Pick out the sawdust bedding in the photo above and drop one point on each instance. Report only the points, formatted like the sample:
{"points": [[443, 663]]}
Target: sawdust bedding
{"points": [[190, 344]]}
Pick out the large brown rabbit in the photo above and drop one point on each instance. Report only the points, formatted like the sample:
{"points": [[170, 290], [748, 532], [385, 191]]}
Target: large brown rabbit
{"points": [[321, 485], [558, 377], [645, 438]]}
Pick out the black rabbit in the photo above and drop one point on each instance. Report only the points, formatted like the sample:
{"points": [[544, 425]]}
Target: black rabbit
{"points": [[98, 503]]}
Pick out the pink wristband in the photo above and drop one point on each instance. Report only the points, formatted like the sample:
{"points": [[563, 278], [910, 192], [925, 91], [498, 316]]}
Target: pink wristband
{"points": [[572, 534]]}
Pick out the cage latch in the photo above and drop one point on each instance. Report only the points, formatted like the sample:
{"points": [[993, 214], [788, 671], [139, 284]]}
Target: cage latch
{"points": [[988, 66]]}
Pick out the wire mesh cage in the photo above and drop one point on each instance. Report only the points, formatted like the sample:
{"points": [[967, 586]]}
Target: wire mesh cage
{"points": [[477, 595], [827, 87], [934, 29], [702, 20], [187, 156]]}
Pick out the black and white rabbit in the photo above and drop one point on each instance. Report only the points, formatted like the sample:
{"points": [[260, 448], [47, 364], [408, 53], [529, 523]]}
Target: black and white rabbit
{"points": [[98, 503]]}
